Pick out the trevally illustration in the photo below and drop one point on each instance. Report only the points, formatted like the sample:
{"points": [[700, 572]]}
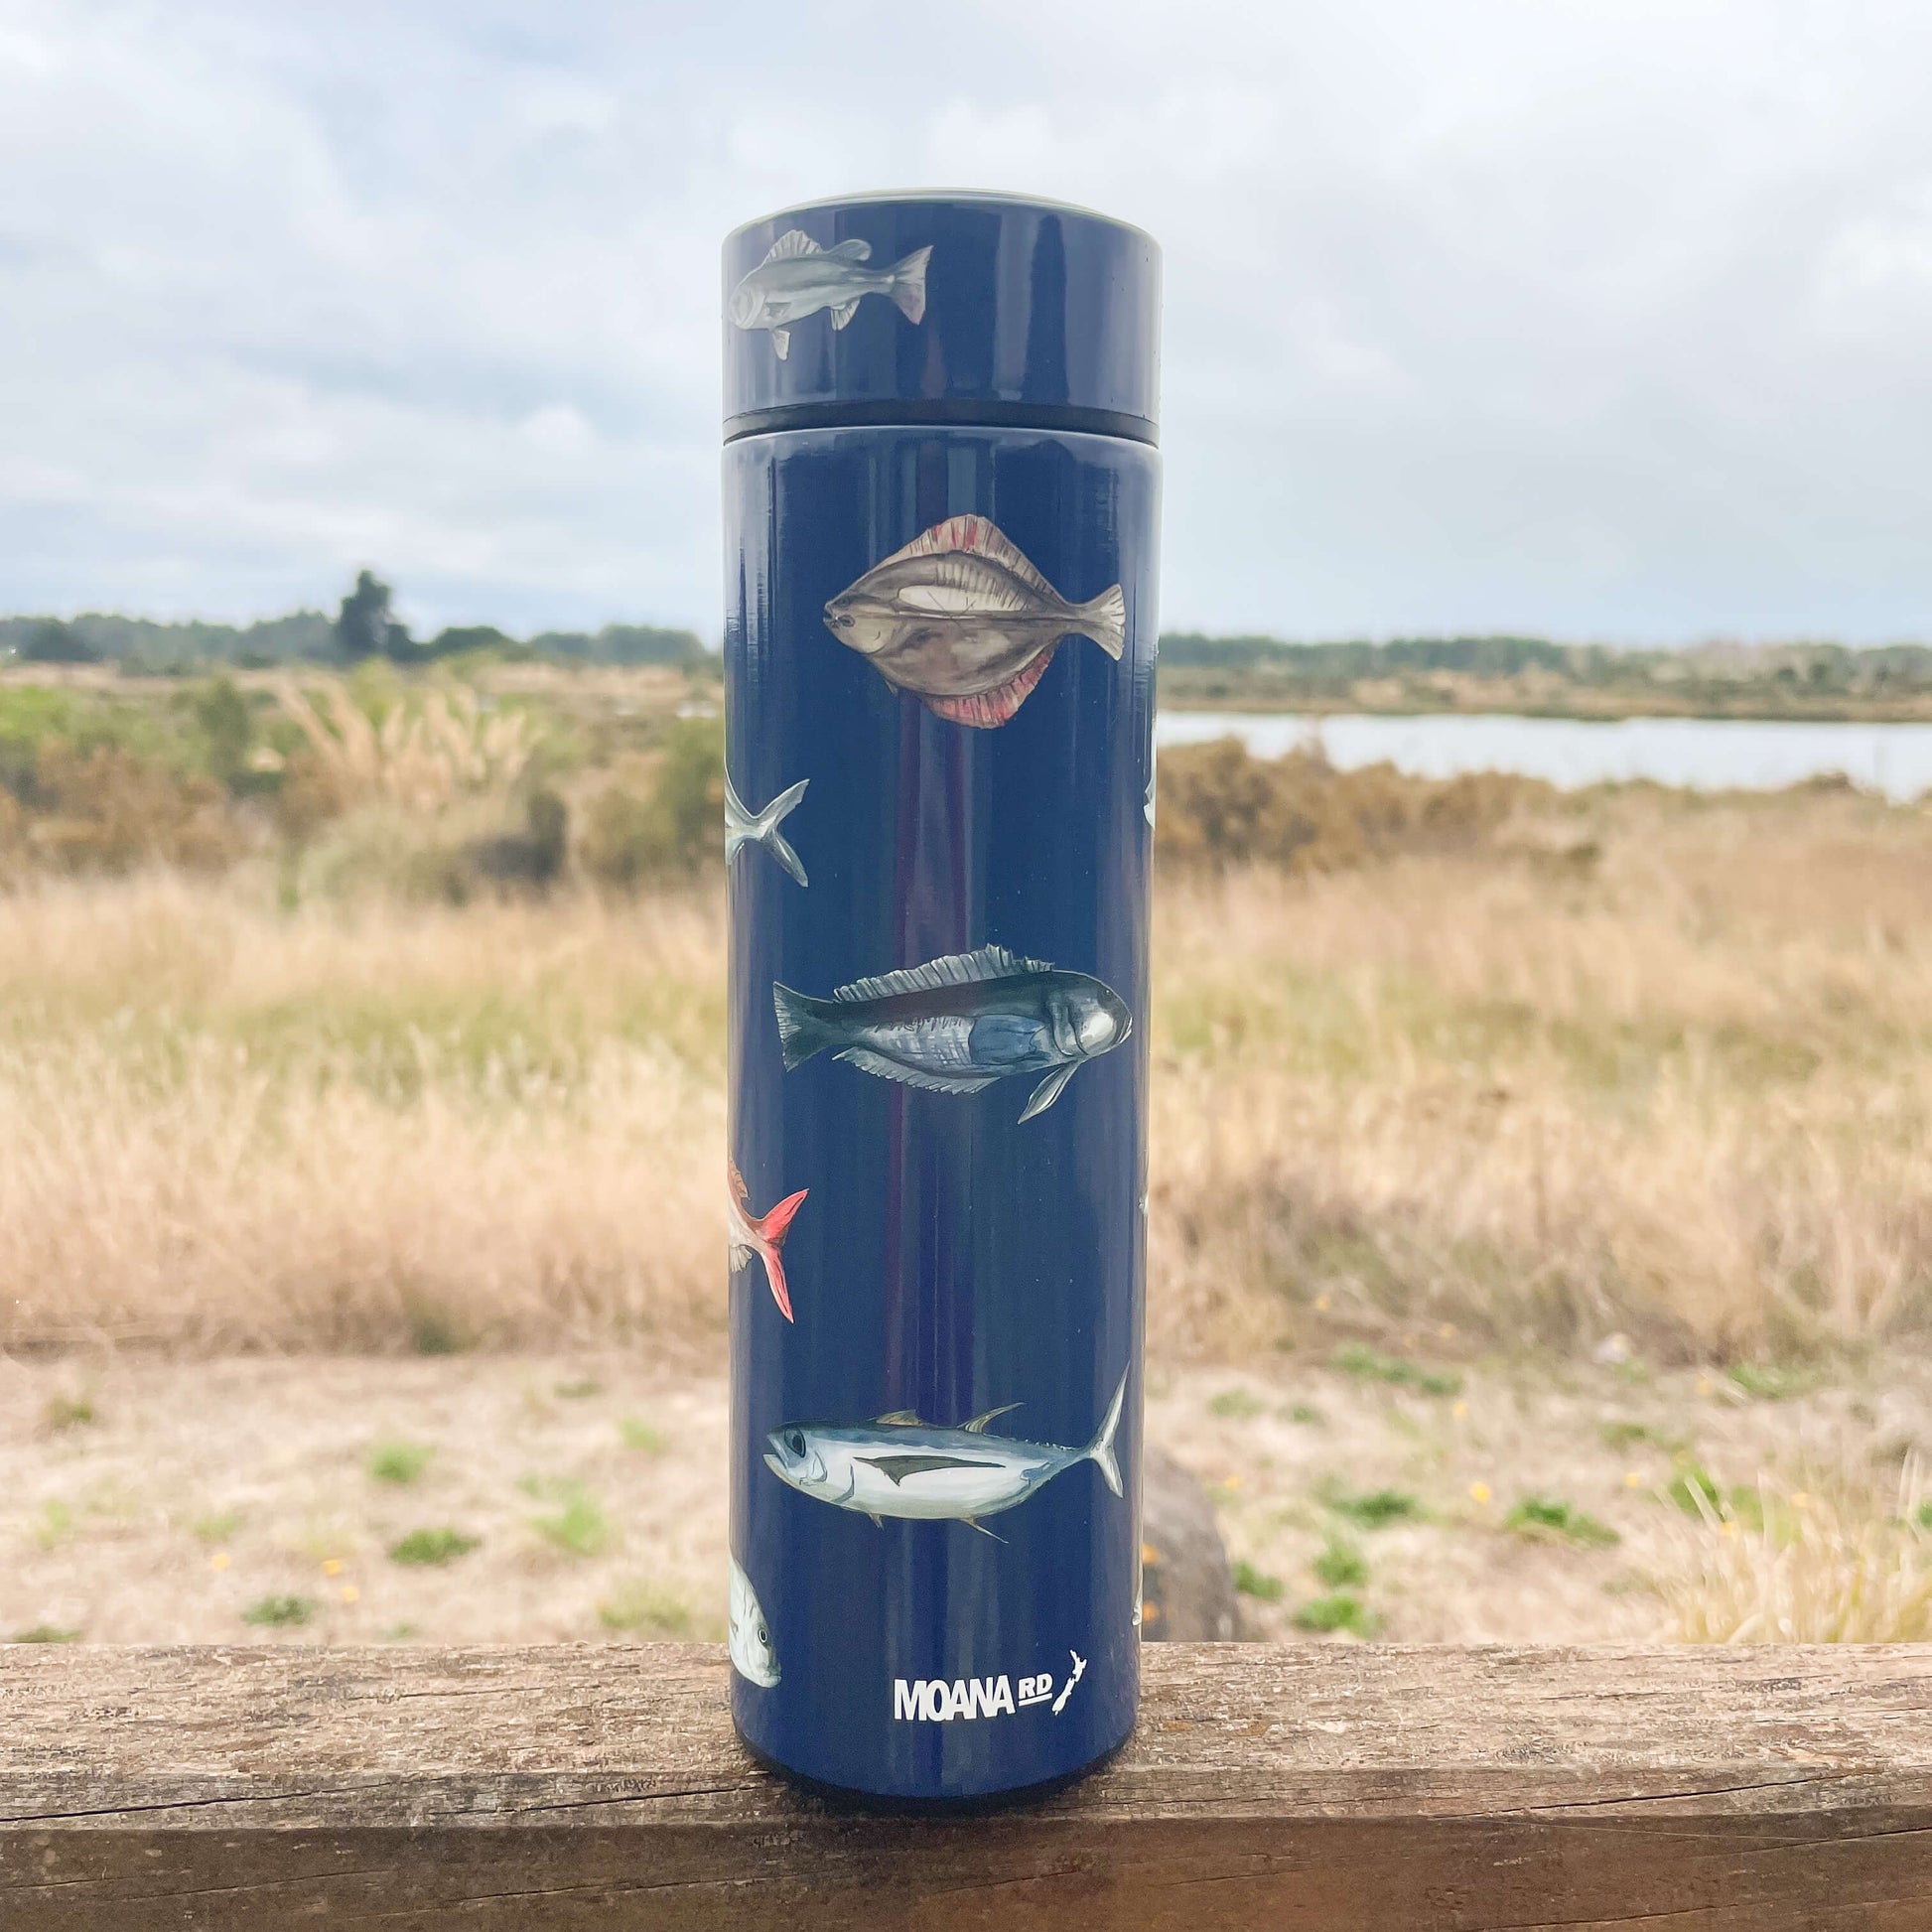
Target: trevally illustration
{"points": [[963, 621], [762, 1235], [743, 826], [749, 1637], [797, 278], [958, 1024], [900, 1465]]}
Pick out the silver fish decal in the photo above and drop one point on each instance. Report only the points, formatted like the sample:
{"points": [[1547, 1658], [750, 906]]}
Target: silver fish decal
{"points": [[743, 826], [752, 1654], [963, 621], [958, 1024], [901, 1467], [797, 278], [1153, 772]]}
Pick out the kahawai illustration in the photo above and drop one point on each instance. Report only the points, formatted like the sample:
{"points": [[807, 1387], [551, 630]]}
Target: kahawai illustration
{"points": [[961, 618], [958, 1024], [743, 826], [761, 1235], [901, 1467], [797, 278], [748, 1635]]}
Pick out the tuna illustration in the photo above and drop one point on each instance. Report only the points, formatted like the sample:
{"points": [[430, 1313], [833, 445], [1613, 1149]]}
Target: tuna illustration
{"points": [[960, 619], [901, 1467], [762, 1236], [744, 826], [956, 1025], [749, 1637], [798, 278]]}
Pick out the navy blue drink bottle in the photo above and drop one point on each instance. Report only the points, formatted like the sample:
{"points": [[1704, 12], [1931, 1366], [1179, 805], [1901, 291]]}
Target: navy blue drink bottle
{"points": [[941, 496]]}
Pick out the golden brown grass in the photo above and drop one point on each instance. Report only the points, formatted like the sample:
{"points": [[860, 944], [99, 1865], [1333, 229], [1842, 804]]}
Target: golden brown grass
{"points": [[1638, 1065]]}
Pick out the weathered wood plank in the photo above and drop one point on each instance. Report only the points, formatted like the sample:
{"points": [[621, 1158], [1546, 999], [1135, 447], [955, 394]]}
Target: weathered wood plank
{"points": [[1384, 1788]]}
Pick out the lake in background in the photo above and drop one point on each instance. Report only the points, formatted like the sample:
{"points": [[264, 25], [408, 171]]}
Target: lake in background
{"points": [[1706, 754]]}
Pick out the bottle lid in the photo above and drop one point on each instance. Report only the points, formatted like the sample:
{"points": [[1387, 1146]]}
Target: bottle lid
{"points": [[941, 308]]}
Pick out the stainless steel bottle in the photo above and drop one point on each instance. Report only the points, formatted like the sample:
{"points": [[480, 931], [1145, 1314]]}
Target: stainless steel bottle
{"points": [[941, 501]]}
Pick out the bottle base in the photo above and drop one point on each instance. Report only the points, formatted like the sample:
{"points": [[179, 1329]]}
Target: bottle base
{"points": [[853, 1800]]}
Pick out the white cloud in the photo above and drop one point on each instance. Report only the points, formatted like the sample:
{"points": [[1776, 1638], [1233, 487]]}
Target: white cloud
{"points": [[1526, 312]]}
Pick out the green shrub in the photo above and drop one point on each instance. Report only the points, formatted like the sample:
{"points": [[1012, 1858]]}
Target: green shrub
{"points": [[640, 1607], [1374, 1509], [1552, 1516], [1219, 805], [672, 823], [578, 1526], [432, 1548], [1341, 1611], [1251, 1582], [279, 1613], [1359, 1360], [399, 1461], [1341, 1566]]}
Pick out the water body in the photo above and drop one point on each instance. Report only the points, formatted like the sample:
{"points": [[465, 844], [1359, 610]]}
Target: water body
{"points": [[1704, 754]]}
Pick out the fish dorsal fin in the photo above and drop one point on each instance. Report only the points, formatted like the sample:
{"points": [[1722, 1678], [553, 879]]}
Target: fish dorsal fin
{"points": [[977, 1426], [854, 250], [902, 1419], [975, 537], [794, 242], [956, 969]]}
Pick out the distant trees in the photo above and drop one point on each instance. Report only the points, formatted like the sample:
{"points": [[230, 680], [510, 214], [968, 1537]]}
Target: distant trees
{"points": [[54, 642], [366, 626]]}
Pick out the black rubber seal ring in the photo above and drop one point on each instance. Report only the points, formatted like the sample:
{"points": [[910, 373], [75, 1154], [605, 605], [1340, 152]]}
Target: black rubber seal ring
{"points": [[943, 413]]}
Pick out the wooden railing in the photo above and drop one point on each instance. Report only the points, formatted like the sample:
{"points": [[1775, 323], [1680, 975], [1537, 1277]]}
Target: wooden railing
{"points": [[1752, 1790]]}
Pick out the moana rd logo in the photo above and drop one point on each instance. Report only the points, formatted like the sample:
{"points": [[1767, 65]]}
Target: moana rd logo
{"points": [[935, 1701]]}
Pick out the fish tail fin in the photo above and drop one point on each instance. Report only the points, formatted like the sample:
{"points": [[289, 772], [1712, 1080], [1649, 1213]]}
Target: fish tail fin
{"points": [[1104, 619], [772, 1228], [802, 1026], [909, 284], [1100, 1451], [775, 1223], [773, 840]]}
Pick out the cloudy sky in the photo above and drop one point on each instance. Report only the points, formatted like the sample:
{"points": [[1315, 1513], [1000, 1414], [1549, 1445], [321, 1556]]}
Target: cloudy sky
{"points": [[1605, 320]]}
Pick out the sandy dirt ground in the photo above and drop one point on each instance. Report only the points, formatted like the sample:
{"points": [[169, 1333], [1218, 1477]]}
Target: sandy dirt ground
{"points": [[581, 1498]]}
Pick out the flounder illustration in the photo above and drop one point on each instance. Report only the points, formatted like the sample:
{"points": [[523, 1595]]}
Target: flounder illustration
{"points": [[900, 1465], [963, 621], [958, 1024], [752, 1652], [797, 278]]}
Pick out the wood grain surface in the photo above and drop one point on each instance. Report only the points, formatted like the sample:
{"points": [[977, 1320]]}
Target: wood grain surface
{"points": [[1350, 1787]]}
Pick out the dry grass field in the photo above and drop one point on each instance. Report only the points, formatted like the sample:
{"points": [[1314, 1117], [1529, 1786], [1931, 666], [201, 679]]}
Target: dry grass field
{"points": [[1654, 1069], [1557, 1163]]}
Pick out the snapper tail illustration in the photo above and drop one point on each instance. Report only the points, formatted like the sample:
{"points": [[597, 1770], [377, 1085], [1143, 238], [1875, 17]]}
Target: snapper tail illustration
{"points": [[752, 1654], [962, 619], [743, 826], [762, 1235], [901, 1467], [797, 278], [958, 1024]]}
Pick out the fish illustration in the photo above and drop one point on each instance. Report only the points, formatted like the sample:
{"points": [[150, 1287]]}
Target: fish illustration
{"points": [[746, 827], [958, 1024], [797, 278], [901, 1467], [762, 1236], [749, 1637], [1153, 772], [961, 618]]}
